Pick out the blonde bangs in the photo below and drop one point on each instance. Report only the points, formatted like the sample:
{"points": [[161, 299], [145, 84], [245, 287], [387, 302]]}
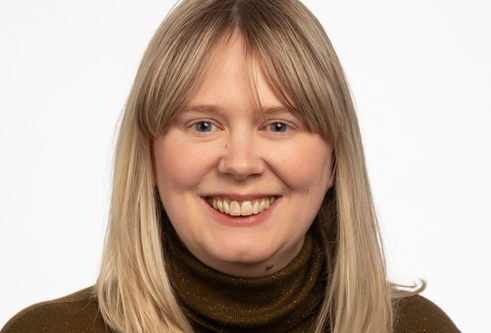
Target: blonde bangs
{"points": [[310, 84]]}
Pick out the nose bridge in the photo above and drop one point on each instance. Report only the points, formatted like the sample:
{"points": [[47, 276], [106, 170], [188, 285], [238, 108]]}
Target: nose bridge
{"points": [[242, 157]]}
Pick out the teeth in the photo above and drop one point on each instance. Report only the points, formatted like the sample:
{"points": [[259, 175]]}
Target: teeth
{"points": [[255, 208], [245, 208], [234, 208], [261, 205]]}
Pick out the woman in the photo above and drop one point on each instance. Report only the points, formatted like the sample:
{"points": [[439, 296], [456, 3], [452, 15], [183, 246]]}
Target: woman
{"points": [[241, 201]]}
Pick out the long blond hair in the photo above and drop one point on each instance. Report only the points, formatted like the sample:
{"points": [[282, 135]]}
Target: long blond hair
{"points": [[133, 289]]}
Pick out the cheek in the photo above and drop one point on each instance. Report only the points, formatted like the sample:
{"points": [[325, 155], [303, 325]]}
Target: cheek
{"points": [[178, 166], [306, 166]]}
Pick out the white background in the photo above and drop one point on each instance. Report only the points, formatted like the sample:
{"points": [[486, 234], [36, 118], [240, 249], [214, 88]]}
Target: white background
{"points": [[420, 71]]}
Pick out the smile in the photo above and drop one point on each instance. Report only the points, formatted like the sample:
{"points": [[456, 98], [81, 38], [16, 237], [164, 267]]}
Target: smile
{"points": [[240, 208]]}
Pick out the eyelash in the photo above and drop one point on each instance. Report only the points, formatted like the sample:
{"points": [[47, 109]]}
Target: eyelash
{"points": [[208, 126]]}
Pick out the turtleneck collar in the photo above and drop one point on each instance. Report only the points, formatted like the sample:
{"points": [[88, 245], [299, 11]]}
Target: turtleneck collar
{"points": [[285, 301]]}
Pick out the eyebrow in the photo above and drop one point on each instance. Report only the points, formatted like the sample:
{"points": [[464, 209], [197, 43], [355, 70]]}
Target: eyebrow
{"points": [[276, 109], [213, 108], [207, 108]]}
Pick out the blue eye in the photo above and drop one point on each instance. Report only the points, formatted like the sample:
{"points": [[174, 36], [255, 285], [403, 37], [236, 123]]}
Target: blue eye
{"points": [[278, 127], [203, 126]]}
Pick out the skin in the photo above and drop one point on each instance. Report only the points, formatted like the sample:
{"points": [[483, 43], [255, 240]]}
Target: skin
{"points": [[219, 147]]}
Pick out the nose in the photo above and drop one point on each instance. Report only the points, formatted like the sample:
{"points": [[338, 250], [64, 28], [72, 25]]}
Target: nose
{"points": [[242, 157]]}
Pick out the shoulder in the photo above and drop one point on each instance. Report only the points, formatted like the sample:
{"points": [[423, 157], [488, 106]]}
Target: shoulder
{"points": [[74, 313], [416, 314]]}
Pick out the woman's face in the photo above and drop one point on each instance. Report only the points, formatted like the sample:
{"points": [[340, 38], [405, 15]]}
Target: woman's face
{"points": [[219, 166]]}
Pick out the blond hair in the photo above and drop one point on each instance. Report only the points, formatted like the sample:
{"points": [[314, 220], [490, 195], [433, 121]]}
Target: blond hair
{"points": [[133, 288]]}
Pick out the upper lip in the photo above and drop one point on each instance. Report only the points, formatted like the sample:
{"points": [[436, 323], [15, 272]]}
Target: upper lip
{"points": [[241, 197]]}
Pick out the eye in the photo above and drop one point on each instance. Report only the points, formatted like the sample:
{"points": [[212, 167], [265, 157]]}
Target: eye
{"points": [[203, 126], [278, 127]]}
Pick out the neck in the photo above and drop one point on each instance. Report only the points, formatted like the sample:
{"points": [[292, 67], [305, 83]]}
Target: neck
{"points": [[286, 300]]}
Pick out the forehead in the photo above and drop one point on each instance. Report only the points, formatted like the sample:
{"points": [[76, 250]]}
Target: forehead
{"points": [[235, 73]]}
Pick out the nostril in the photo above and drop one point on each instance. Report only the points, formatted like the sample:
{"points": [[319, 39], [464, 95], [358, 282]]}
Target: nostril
{"points": [[241, 165]]}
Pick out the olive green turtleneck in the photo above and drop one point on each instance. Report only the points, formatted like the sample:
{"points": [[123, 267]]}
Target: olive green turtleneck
{"points": [[285, 301]]}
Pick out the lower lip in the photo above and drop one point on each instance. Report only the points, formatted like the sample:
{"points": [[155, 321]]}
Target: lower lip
{"points": [[241, 221]]}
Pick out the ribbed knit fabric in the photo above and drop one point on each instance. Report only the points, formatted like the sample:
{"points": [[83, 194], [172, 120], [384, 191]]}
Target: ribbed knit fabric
{"points": [[285, 301]]}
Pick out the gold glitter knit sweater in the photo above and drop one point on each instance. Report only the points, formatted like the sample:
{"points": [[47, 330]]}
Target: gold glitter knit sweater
{"points": [[214, 302], [285, 301]]}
